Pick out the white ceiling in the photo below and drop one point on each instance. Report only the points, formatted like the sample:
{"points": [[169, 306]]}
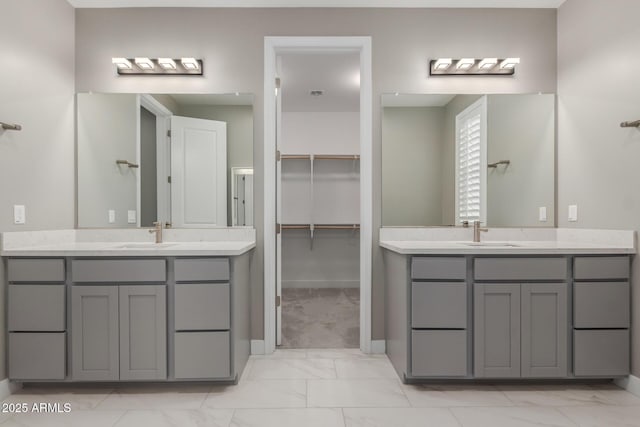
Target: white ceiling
{"points": [[337, 74], [319, 3]]}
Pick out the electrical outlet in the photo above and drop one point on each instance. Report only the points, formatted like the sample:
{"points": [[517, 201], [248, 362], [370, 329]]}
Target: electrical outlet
{"points": [[19, 214], [542, 214], [131, 217], [573, 213], [112, 216]]}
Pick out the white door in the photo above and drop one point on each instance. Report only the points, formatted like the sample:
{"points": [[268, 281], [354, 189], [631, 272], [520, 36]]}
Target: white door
{"points": [[198, 173], [278, 217]]}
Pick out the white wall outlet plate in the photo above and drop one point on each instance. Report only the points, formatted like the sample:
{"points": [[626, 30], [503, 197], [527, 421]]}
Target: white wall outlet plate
{"points": [[573, 213], [112, 216], [131, 217], [19, 214], [542, 214]]}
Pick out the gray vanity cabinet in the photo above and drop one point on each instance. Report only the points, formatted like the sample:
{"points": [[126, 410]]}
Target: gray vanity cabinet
{"points": [[601, 316], [118, 332], [520, 329], [95, 334], [36, 319]]}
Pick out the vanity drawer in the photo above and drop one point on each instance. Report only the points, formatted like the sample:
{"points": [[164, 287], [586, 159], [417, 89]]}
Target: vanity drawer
{"points": [[601, 305], [439, 305], [439, 268], [601, 352], [201, 306], [520, 268], [35, 270], [36, 308], [37, 356], [437, 353], [201, 269], [202, 355], [118, 270], [611, 267]]}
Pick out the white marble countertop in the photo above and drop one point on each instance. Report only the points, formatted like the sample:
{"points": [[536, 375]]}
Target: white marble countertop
{"points": [[106, 243], [442, 241]]}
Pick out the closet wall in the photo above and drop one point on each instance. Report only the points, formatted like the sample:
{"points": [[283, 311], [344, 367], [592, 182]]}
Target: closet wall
{"points": [[326, 258]]}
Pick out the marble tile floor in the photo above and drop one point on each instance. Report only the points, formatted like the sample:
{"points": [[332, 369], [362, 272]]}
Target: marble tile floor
{"points": [[327, 388]]}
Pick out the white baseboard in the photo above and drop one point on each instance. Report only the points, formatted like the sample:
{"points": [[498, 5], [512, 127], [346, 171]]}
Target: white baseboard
{"points": [[378, 346], [257, 346], [630, 383], [7, 388], [320, 284]]}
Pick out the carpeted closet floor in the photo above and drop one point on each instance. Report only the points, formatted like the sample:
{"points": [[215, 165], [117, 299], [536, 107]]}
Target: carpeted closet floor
{"points": [[321, 318]]}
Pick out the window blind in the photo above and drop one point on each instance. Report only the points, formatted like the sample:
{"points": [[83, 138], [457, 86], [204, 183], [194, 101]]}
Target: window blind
{"points": [[470, 163]]}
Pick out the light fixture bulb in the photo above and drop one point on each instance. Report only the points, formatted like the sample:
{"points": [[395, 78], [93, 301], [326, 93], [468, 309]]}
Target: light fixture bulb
{"points": [[122, 63], [465, 63], [487, 64], [167, 63], [144, 63], [509, 63], [442, 64], [190, 63]]}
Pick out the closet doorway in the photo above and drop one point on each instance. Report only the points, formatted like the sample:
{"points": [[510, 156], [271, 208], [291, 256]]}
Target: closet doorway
{"points": [[318, 202], [319, 125]]}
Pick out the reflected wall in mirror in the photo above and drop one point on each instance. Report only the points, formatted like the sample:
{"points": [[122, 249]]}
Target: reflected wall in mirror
{"points": [[143, 158], [447, 158]]}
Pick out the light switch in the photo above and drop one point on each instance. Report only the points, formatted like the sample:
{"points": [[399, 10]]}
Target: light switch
{"points": [[573, 213], [542, 214], [131, 217], [19, 214], [112, 216]]}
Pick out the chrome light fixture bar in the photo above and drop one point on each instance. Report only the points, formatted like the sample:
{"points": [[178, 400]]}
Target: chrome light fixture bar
{"points": [[473, 66], [142, 66]]}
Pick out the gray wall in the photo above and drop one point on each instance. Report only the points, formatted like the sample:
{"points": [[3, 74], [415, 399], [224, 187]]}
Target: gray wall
{"points": [[239, 119], [597, 89], [231, 43], [411, 165], [107, 130], [36, 91], [520, 129]]}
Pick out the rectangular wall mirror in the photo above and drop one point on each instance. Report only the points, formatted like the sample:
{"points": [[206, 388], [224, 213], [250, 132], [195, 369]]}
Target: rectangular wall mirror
{"points": [[451, 158], [182, 159]]}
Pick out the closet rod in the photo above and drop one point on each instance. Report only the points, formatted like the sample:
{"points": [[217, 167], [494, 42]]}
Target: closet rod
{"points": [[295, 156], [337, 157], [321, 226]]}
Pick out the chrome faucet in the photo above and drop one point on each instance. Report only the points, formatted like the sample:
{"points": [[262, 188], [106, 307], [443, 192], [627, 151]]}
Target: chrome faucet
{"points": [[158, 230], [477, 230]]}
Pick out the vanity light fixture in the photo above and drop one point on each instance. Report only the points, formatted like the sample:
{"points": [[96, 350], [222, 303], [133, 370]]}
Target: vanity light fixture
{"points": [[167, 63], [143, 66], [509, 63], [144, 63], [473, 67], [465, 63], [442, 64], [190, 63], [122, 63]]}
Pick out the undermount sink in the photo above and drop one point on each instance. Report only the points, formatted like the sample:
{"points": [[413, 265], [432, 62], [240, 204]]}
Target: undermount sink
{"points": [[145, 245], [492, 244]]}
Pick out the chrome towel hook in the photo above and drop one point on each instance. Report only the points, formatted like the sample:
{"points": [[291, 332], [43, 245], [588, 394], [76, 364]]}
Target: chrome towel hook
{"points": [[7, 126]]}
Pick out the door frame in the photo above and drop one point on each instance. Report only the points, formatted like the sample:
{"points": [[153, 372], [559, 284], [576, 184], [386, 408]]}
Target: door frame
{"points": [[273, 46], [163, 155]]}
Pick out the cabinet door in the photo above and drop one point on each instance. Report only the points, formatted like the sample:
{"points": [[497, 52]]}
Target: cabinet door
{"points": [[544, 330], [143, 332], [94, 329], [497, 330]]}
